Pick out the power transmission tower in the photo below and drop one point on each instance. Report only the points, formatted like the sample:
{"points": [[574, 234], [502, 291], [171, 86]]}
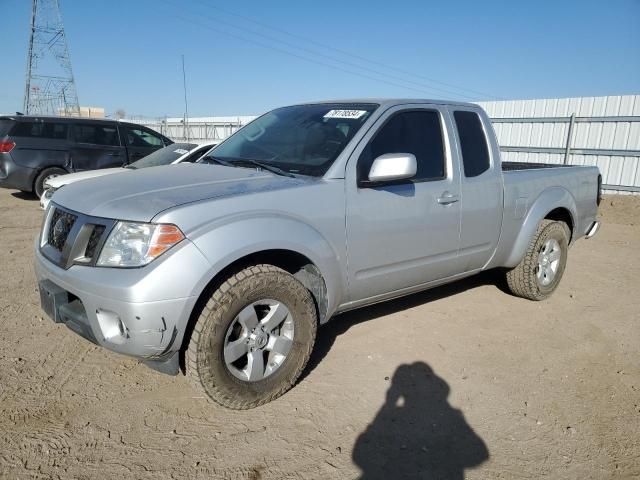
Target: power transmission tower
{"points": [[50, 88]]}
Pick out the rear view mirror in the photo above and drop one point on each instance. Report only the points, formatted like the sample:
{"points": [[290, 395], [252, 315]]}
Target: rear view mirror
{"points": [[393, 166]]}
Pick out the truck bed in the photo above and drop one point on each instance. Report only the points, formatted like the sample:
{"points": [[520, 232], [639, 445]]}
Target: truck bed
{"points": [[524, 183], [511, 166]]}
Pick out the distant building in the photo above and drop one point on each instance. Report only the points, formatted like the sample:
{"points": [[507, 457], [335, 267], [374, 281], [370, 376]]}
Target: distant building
{"points": [[85, 112]]}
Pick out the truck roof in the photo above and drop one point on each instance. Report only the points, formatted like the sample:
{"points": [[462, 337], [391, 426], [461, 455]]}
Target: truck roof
{"points": [[389, 102]]}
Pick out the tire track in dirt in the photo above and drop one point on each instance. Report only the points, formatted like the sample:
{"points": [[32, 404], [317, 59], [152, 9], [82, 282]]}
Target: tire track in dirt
{"points": [[71, 410]]}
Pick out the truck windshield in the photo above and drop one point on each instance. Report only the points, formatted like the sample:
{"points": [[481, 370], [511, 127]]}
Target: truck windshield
{"points": [[304, 139]]}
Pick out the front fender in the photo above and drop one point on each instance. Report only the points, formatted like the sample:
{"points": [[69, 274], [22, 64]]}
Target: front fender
{"points": [[236, 238], [548, 200]]}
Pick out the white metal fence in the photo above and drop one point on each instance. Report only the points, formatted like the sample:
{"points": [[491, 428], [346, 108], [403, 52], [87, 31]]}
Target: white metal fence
{"points": [[195, 129], [601, 131]]}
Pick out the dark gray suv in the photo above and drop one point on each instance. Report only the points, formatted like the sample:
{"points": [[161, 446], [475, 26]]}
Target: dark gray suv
{"points": [[33, 149]]}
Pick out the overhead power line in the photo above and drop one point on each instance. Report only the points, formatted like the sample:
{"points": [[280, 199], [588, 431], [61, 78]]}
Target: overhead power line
{"points": [[293, 54], [403, 79], [352, 70], [348, 54]]}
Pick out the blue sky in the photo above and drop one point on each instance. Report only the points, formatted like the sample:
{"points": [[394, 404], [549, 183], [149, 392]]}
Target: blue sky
{"points": [[247, 57]]}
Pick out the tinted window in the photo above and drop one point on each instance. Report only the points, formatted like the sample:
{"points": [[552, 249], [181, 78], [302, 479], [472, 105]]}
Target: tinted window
{"points": [[164, 156], [475, 154], [303, 139], [416, 132], [5, 126], [55, 131], [97, 134], [141, 138]]}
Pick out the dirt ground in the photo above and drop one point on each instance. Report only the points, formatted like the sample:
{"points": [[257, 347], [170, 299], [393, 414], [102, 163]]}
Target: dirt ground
{"points": [[461, 381]]}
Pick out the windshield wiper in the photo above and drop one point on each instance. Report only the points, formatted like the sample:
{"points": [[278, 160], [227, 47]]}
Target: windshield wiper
{"points": [[237, 162], [264, 166], [219, 161]]}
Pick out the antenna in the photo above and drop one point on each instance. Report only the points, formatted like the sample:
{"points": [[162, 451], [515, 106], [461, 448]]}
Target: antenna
{"points": [[50, 88], [186, 108]]}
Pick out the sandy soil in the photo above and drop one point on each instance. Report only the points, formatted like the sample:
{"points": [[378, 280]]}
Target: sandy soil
{"points": [[621, 209], [464, 380]]}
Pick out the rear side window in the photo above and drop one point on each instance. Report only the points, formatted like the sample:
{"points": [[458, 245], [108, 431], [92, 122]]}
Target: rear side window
{"points": [[418, 132], [5, 126], [53, 131], [141, 138], [475, 153], [97, 134]]}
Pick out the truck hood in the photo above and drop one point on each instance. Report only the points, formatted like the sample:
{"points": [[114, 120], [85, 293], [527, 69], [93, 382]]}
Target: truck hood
{"points": [[140, 195], [61, 180]]}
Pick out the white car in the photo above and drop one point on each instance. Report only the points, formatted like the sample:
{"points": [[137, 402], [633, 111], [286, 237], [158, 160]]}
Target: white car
{"points": [[174, 153]]}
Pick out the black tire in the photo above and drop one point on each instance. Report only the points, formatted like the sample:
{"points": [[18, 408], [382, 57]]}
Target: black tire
{"points": [[38, 184], [204, 357], [523, 280]]}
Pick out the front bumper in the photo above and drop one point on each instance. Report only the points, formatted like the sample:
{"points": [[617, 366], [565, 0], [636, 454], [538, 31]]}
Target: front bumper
{"points": [[128, 311]]}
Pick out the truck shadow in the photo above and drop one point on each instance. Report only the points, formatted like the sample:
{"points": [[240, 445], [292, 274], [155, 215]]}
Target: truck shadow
{"points": [[416, 433], [340, 324]]}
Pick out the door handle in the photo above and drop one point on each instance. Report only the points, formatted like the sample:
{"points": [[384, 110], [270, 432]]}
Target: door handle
{"points": [[114, 154], [448, 198]]}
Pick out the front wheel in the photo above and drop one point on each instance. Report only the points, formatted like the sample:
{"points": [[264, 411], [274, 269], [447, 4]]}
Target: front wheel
{"points": [[253, 338], [539, 272]]}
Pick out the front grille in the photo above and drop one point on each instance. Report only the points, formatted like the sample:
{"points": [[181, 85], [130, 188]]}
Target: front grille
{"points": [[59, 228], [72, 238], [94, 239]]}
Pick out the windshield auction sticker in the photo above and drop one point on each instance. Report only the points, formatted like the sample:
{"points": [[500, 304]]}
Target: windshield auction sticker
{"points": [[345, 113]]}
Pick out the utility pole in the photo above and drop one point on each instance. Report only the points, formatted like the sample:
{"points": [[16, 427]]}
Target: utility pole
{"points": [[50, 88], [186, 108]]}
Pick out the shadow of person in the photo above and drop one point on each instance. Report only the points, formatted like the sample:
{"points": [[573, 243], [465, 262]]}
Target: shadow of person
{"points": [[417, 434]]}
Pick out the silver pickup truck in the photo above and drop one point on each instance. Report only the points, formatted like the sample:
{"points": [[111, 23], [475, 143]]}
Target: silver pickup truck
{"points": [[226, 267]]}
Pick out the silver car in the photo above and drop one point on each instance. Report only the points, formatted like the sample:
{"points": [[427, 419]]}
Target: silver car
{"points": [[170, 155]]}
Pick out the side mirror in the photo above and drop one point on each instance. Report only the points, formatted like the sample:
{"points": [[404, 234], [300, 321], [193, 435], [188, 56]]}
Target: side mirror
{"points": [[393, 166]]}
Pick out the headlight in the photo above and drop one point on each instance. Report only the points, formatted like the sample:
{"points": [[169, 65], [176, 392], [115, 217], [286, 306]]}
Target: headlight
{"points": [[136, 244], [48, 193]]}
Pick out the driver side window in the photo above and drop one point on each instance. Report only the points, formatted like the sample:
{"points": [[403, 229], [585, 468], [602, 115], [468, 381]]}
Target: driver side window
{"points": [[416, 131]]}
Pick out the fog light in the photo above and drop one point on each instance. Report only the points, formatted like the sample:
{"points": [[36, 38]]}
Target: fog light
{"points": [[111, 326]]}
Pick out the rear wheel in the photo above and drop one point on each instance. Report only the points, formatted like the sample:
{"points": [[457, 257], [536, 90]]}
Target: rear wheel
{"points": [[539, 272], [253, 338], [43, 176]]}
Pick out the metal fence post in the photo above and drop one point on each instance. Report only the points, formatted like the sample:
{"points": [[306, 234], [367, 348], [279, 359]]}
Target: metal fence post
{"points": [[567, 151]]}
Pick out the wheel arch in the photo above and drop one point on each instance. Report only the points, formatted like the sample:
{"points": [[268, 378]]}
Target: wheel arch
{"points": [[41, 169], [297, 264], [552, 204], [562, 214], [291, 261]]}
